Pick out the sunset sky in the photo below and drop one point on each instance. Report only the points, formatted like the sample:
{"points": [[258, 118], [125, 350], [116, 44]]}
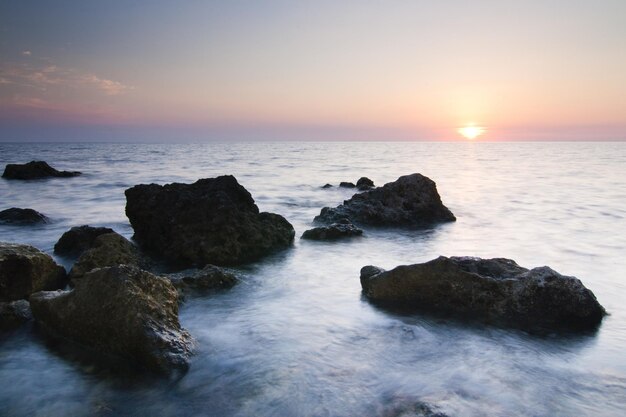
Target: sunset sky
{"points": [[316, 70]]}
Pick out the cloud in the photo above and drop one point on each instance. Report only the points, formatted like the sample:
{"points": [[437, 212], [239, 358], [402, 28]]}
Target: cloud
{"points": [[27, 53]]}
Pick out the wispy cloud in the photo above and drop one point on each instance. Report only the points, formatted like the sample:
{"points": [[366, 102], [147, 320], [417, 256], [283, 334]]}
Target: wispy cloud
{"points": [[27, 53]]}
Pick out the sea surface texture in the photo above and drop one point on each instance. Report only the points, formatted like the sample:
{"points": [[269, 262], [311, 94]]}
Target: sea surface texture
{"points": [[295, 337]]}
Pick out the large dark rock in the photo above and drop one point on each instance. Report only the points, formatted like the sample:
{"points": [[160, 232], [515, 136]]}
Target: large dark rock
{"points": [[209, 278], [34, 170], [411, 200], [496, 290], [339, 230], [20, 216], [364, 183], [78, 239], [25, 269], [121, 311], [14, 314], [212, 221], [110, 249]]}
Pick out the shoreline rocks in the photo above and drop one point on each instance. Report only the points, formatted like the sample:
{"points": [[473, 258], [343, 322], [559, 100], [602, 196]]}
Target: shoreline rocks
{"points": [[79, 239], [120, 311], [35, 170], [212, 221], [339, 230], [410, 201], [20, 216], [25, 269], [496, 290]]}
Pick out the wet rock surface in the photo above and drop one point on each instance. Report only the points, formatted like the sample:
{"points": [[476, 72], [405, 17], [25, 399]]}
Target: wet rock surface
{"points": [[209, 278], [78, 239], [212, 221], [410, 201], [35, 170], [120, 311], [339, 230], [25, 269], [20, 216], [14, 314], [495, 290]]}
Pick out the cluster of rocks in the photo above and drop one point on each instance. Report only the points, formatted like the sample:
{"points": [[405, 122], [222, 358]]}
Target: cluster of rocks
{"points": [[362, 184]]}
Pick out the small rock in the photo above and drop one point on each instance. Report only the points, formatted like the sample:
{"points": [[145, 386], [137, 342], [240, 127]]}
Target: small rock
{"points": [[34, 170], [121, 311], [21, 216], [364, 183], [327, 185], [337, 230], [345, 184], [25, 269], [78, 239], [14, 314], [210, 277]]}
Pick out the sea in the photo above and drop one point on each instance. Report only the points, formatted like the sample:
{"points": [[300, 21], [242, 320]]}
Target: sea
{"points": [[296, 337]]}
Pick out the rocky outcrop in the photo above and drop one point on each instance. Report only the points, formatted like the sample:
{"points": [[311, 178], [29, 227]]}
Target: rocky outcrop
{"points": [[212, 221], [110, 249], [34, 170], [20, 216], [364, 183], [496, 290], [209, 278], [411, 200], [78, 239], [339, 230], [121, 311], [25, 269], [14, 314]]}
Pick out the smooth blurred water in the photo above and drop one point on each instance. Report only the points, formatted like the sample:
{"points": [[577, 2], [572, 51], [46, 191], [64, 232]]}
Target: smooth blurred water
{"points": [[295, 338]]}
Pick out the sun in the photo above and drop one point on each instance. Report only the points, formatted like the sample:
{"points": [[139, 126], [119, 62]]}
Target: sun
{"points": [[471, 131]]}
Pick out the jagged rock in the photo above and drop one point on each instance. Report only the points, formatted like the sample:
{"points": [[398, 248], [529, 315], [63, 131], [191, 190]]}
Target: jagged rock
{"points": [[21, 216], [78, 239], [25, 269], [210, 277], [341, 229], [411, 200], [110, 249], [121, 311], [212, 221], [14, 314], [364, 183], [34, 170], [496, 290], [327, 185], [346, 184]]}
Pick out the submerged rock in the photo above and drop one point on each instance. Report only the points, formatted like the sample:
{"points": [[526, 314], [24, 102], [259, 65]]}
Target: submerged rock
{"points": [[212, 221], [496, 290], [34, 170], [364, 183], [209, 278], [327, 185], [345, 184], [21, 216], [341, 229], [78, 239], [122, 311], [14, 314], [110, 249], [25, 269], [411, 200]]}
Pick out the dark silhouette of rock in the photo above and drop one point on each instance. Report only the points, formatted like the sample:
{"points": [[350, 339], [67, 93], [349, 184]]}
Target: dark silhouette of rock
{"points": [[364, 183], [24, 270], [339, 230], [212, 221], [496, 290], [34, 170], [14, 314], [110, 249], [327, 186], [345, 184], [78, 239], [209, 278], [121, 311], [20, 216], [411, 200]]}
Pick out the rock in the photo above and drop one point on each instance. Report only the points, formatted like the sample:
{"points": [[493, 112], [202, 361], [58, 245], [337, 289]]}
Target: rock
{"points": [[24, 270], [210, 277], [110, 249], [341, 229], [345, 184], [495, 290], [411, 200], [14, 314], [364, 183], [212, 221], [78, 239], [327, 185], [121, 311], [21, 216], [34, 170]]}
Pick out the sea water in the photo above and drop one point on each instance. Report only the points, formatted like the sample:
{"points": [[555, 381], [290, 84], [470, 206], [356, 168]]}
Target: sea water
{"points": [[295, 337]]}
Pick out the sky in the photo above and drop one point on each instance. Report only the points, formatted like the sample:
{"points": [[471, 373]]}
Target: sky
{"points": [[312, 70]]}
